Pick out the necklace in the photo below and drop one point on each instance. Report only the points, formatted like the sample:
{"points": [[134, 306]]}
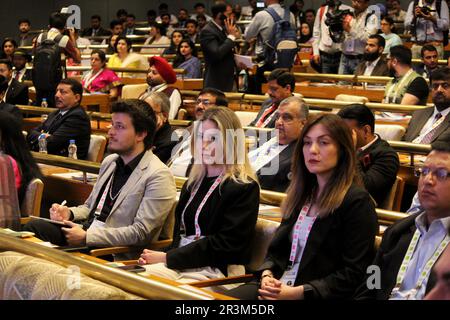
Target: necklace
{"points": [[110, 189]]}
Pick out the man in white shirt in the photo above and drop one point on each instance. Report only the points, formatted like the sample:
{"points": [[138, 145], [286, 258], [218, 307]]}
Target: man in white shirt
{"points": [[272, 160], [357, 29], [326, 52], [412, 246]]}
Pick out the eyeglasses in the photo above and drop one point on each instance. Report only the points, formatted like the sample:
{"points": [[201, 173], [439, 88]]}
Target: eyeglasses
{"points": [[441, 174], [286, 117], [205, 102], [444, 85]]}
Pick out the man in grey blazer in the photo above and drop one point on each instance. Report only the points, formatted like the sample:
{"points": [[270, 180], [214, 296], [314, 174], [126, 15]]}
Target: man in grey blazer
{"points": [[132, 197], [433, 124]]}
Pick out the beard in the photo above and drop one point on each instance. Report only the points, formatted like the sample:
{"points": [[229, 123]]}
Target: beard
{"points": [[391, 71], [441, 101], [153, 82], [370, 56]]}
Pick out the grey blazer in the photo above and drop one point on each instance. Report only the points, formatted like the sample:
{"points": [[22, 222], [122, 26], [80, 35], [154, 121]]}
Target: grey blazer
{"points": [[419, 119], [140, 210]]}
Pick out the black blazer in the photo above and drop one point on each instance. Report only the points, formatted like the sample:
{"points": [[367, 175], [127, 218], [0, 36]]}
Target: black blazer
{"points": [[282, 178], [338, 251], [17, 93], [27, 76], [419, 119], [266, 104], [100, 33], [75, 124], [219, 58], [229, 223], [13, 110], [163, 144], [378, 166], [389, 257]]}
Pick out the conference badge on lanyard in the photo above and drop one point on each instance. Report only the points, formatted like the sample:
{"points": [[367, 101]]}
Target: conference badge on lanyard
{"points": [[198, 231], [300, 236]]}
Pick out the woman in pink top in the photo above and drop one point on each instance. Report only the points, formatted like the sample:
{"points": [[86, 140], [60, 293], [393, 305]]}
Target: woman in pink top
{"points": [[100, 79]]}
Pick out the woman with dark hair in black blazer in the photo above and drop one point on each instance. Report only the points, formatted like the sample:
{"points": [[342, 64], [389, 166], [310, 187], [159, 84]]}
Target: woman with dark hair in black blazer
{"points": [[326, 238]]}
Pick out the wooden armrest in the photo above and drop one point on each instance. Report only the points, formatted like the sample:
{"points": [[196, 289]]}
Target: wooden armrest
{"points": [[160, 244], [25, 220], [107, 251], [122, 249], [222, 281], [128, 262]]}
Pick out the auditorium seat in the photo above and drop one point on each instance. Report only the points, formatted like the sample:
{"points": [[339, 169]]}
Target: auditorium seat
{"points": [[390, 132], [23, 277], [133, 91], [245, 117], [394, 199], [97, 147], [31, 204]]}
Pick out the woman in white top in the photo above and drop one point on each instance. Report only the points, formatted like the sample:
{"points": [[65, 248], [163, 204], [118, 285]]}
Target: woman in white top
{"points": [[157, 37]]}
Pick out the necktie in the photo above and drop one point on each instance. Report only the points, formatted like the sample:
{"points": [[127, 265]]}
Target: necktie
{"points": [[268, 111], [54, 122], [429, 136], [17, 77]]}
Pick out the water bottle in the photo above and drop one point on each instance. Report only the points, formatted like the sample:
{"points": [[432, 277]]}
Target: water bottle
{"points": [[72, 149], [42, 143], [44, 103]]}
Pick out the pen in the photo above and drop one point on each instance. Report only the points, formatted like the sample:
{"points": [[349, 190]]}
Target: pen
{"points": [[63, 203]]}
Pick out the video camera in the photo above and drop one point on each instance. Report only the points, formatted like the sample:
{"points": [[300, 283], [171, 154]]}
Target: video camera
{"points": [[334, 20], [426, 10]]}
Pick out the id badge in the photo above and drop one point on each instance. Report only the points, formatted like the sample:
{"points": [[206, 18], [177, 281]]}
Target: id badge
{"points": [[350, 46], [186, 240], [97, 224], [289, 276]]}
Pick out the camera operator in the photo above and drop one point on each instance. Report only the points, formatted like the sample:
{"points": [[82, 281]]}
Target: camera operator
{"points": [[357, 29], [428, 21], [326, 52]]}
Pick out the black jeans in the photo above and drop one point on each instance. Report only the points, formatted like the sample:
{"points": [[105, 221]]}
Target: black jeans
{"points": [[46, 231]]}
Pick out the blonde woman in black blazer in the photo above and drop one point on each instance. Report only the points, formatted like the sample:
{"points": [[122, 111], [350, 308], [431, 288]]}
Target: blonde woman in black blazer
{"points": [[218, 207]]}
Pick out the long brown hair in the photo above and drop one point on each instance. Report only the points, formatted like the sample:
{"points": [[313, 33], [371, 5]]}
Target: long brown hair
{"points": [[304, 183]]}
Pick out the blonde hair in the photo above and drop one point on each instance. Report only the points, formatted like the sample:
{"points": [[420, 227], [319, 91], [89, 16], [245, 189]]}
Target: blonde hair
{"points": [[235, 161], [304, 183]]}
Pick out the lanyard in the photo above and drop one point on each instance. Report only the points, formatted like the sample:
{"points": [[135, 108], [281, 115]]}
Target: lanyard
{"points": [[296, 233], [426, 270], [435, 125], [269, 118], [90, 78], [198, 232], [397, 86], [101, 203]]}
